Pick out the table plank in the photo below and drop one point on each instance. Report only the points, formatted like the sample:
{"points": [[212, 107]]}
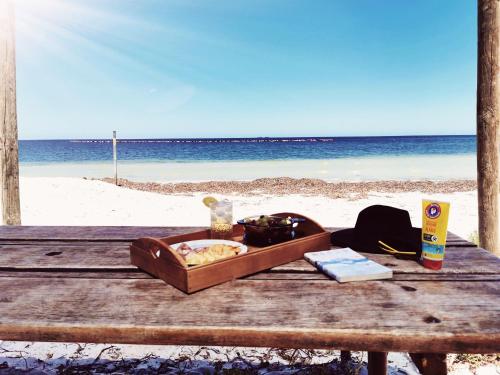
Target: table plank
{"points": [[453, 238], [396, 277], [138, 274], [111, 256], [120, 233], [67, 255], [88, 233], [373, 316], [458, 260], [94, 274]]}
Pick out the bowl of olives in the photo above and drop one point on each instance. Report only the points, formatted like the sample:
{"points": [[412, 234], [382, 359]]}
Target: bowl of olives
{"points": [[265, 230]]}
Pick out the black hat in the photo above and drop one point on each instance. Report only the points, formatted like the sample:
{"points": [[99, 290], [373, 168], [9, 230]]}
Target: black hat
{"points": [[375, 224]]}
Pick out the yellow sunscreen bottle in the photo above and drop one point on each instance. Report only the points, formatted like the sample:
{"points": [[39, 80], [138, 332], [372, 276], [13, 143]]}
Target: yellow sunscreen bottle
{"points": [[434, 231]]}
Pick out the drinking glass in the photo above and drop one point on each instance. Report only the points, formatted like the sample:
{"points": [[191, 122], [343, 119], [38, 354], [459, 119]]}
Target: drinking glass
{"points": [[221, 219]]}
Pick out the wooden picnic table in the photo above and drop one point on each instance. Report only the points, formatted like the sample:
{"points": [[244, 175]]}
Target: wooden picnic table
{"points": [[76, 284]]}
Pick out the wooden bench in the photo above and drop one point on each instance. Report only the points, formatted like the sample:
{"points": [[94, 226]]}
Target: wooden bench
{"points": [[76, 284]]}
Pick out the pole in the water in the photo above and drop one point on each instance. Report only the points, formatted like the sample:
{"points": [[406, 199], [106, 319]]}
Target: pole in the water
{"points": [[115, 159]]}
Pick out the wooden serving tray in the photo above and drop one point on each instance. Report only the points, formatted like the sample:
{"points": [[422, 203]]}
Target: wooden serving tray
{"points": [[156, 257]]}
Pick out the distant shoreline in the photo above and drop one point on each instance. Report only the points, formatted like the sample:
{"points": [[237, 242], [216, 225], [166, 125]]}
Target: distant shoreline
{"points": [[285, 186], [236, 139]]}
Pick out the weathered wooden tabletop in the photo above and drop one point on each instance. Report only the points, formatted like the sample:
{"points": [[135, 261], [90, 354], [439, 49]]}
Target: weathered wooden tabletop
{"points": [[76, 284]]}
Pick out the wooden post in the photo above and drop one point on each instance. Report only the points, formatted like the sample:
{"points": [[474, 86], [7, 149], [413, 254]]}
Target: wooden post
{"points": [[430, 363], [115, 157], [377, 363], [345, 357], [488, 115], [9, 158]]}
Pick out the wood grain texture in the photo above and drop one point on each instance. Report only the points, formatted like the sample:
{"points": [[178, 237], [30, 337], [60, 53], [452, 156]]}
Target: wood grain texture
{"points": [[155, 256], [86, 274], [88, 233], [458, 260], [266, 275], [115, 255], [488, 118], [77, 293], [396, 277], [111, 259], [66, 256], [120, 233], [9, 158], [373, 316]]}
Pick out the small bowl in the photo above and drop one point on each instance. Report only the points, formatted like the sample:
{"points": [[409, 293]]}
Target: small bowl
{"points": [[265, 230]]}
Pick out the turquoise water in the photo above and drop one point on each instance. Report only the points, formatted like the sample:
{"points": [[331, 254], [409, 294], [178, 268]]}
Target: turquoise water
{"points": [[330, 159]]}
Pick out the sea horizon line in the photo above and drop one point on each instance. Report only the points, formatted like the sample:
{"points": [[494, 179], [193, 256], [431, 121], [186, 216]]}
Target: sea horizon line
{"points": [[262, 139]]}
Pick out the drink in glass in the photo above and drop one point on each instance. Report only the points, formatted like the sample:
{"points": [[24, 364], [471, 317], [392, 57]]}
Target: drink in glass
{"points": [[221, 219]]}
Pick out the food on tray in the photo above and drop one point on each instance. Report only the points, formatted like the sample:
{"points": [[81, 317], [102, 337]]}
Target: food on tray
{"points": [[207, 254], [268, 221], [265, 230]]}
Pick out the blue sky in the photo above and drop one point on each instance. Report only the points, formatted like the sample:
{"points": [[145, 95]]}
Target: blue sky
{"points": [[199, 68]]}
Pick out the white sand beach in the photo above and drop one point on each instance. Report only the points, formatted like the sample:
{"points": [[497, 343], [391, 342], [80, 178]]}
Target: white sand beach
{"points": [[77, 201]]}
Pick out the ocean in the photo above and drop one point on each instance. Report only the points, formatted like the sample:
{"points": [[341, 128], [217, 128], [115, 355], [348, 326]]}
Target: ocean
{"points": [[195, 159], [243, 149]]}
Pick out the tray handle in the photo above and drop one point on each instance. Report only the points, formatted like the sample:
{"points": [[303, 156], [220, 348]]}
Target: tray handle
{"points": [[309, 226], [157, 248]]}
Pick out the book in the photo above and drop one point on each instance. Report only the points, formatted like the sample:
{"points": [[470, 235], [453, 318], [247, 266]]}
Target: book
{"points": [[346, 265]]}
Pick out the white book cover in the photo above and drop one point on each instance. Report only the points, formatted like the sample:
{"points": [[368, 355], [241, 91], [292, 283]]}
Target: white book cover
{"points": [[347, 265]]}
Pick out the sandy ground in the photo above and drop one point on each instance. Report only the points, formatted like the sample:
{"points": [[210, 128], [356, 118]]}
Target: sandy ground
{"points": [[73, 201]]}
